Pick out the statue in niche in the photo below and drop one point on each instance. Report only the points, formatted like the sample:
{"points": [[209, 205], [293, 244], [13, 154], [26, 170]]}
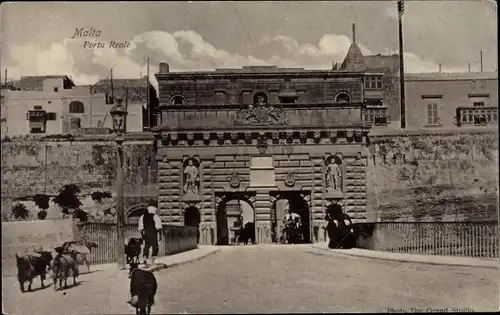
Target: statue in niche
{"points": [[334, 174], [191, 178]]}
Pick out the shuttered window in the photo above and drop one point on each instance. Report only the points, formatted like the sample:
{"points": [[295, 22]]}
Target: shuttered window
{"points": [[432, 114], [220, 98]]}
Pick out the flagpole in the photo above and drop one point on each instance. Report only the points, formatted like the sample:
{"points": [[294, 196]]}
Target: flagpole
{"points": [[112, 90], [401, 64], [147, 93]]}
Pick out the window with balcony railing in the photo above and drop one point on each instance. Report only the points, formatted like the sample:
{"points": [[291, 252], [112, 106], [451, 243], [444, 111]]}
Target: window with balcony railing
{"points": [[477, 115], [373, 83], [376, 115]]}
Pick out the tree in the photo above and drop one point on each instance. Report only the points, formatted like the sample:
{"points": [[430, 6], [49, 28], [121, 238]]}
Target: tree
{"points": [[98, 196], [67, 198], [42, 214], [19, 211], [41, 201]]}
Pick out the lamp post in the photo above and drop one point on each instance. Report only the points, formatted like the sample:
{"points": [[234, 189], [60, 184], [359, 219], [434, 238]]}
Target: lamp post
{"points": [[119, 116]]}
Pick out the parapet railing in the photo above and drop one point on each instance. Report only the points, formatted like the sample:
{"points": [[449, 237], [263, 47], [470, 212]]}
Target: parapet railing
{"points": [[465, 239], [175, 239]]}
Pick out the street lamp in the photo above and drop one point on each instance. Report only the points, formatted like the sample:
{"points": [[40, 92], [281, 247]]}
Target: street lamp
{"points": [[119, 116]]}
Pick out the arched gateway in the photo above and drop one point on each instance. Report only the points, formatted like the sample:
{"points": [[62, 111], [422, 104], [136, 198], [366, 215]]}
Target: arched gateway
{"points": [[260, 135]]}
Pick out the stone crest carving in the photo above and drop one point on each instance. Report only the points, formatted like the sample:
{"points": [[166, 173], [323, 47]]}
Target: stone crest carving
{"points": [[234, 180], [261, 115], [290, 179], [191, 178]]}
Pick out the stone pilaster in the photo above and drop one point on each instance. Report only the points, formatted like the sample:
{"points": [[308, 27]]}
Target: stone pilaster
{"points": [[207, 210], [263, 217], [318, 184], [355, 189]]}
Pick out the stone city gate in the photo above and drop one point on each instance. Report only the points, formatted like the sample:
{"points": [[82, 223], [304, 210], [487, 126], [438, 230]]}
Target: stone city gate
{"points": [[261, 134], [260, 168]]}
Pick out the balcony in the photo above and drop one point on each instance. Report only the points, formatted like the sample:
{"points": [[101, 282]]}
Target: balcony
{"points": [[373, 96], [376, 115], [476, 116]]}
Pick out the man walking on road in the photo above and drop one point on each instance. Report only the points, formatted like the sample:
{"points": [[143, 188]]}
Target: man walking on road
{"points": [[150, 227]]}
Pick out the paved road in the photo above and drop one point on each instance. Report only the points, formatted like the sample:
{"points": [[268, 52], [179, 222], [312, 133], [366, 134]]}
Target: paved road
{"points": [[263, 279]]}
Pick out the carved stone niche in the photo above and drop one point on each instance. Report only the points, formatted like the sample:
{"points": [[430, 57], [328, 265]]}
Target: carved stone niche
{"points": [[289, 137], [220, 138], [358, 136], [191, 179], [333, 177], [303, 136], [333, 136], [276, 137], [206, 138], [317, 136]]}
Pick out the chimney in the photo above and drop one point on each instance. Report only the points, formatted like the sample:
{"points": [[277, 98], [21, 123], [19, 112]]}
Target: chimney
{"points": [[353, 33], [469, 66], [439, 68], [164, 68]]}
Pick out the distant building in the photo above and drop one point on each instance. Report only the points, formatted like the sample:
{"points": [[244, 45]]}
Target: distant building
{"points": [[136, 91], [451, 100], [55, 105]]}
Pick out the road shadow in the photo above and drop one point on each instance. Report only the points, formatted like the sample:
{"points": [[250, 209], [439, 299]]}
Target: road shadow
{"points": [[46, 285], [90, 272], [71, 286]]}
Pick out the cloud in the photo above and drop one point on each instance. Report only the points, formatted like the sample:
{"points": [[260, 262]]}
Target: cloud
{"points": [[184, 50]]}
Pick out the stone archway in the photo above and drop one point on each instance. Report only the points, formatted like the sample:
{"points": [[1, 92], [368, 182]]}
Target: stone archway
{"points": [[192, 217], [299, 202], [227, 221], [134, 212]]}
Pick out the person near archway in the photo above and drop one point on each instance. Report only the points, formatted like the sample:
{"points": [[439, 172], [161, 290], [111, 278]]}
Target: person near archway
{"points": [[292, 222], [150, 227]]}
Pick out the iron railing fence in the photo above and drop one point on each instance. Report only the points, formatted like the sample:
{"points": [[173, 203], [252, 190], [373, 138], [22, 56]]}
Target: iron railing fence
{"points": [[467, 239]]}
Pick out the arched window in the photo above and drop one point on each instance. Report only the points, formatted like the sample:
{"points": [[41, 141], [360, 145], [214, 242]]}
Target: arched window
{"points": [[343, 97], [76, 107], [178, 100]]}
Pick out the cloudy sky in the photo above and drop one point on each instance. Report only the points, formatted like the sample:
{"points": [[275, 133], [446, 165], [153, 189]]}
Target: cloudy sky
{"points": [[36, 37]]}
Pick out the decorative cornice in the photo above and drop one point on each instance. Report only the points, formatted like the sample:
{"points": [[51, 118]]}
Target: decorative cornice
{"points": [[260, 137]]}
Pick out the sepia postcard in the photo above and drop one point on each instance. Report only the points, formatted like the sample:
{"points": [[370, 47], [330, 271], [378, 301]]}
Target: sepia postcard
{"points": [[249, 157]]}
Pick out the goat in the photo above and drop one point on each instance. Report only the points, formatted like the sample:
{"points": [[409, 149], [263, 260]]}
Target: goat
{"points": [[82, 251], [143, 287], [30, 266], [64, 266], [133, 249]]}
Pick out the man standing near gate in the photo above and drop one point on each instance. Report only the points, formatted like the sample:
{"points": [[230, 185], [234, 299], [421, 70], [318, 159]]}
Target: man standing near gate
{"points": [[151, 229]]}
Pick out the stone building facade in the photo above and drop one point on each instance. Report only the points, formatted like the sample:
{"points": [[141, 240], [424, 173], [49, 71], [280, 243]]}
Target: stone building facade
{"points": [[260, 135], [50, 105]]}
